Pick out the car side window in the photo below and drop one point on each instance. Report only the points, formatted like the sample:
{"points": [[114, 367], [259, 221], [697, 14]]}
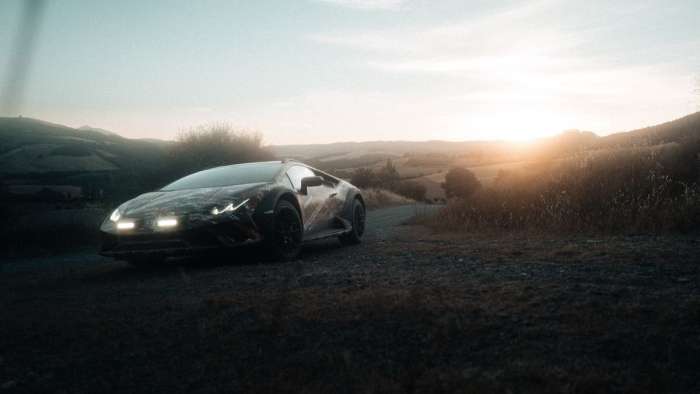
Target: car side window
{"points": [[297, 173]]}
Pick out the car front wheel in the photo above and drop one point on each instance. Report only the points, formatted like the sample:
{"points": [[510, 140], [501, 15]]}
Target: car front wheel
{"points": [[358, 224], [285, 241]]}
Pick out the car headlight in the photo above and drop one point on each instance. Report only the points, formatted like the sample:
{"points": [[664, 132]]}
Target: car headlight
{"points": [[115, 216], [228, 208]]}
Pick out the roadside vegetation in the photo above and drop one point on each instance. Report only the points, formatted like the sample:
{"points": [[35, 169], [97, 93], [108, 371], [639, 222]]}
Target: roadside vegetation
{"points": [[212, 146], [387, 178], [636, 190], [380, 198]]}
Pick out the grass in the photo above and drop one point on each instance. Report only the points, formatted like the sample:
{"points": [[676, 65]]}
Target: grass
{"points": [[380, 198], [628, 191]]}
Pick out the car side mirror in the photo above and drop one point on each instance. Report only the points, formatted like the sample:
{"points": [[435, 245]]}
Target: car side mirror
{"points": [[310, 181]]}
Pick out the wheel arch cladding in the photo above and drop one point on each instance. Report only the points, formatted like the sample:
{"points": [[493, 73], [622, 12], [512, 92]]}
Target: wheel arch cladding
{"points": [[358, 196], [350, 201], [265, 212], [288, 196]]}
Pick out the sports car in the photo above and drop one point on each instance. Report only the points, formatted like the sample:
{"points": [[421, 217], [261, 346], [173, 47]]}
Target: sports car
{"points": [[278, 204]]}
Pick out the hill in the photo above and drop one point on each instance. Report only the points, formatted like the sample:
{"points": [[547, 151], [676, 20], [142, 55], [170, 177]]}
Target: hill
{"points": [[32, 146], [35, 152], [39, 159], [682, 130], [346, 150]]}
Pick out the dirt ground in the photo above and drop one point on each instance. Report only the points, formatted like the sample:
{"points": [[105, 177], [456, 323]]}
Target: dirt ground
{"points": [[411, 312]]}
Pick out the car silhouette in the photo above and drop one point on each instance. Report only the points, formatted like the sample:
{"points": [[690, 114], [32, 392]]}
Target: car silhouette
{"points": [[278, 204]]}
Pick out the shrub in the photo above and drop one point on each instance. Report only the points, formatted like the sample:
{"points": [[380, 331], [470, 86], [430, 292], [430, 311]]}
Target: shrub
{"points": [[214, 145], [410, 189], [460, 183]]}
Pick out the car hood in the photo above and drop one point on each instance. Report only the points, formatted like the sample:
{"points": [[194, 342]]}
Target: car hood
{"points": [[187, 201]]}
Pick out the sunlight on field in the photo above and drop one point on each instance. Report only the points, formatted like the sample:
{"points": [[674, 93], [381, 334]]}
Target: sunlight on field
{"points": [[486, 174]]}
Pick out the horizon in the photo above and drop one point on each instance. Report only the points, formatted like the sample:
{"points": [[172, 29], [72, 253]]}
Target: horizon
{"points": [[328, 71], [525, 142]]}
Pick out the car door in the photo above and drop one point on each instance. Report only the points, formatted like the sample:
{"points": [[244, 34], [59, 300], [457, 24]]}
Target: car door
{"points": [[313, 202], [335, 200]]}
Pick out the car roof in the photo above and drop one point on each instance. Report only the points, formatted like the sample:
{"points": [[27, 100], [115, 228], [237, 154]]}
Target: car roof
{"points": [[286, 163]]}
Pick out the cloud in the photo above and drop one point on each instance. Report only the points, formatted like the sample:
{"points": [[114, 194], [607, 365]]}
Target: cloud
{"points": [[491, 30], [367, 4], [548, 51], [522, 71]]}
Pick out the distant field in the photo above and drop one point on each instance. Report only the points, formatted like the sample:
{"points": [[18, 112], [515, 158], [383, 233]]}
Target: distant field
{"points": [[429, 174], [433, 176]]}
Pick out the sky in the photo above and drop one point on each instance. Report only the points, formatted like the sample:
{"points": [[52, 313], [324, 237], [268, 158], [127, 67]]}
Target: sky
{"points": [[319, 71]]}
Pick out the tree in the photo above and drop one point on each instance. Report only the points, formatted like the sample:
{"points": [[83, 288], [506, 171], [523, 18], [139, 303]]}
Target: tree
{"points": [[460, 183], [214, 145], [388, 174]]}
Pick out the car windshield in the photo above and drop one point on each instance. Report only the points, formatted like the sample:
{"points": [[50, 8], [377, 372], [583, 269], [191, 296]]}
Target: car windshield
{"points": [[238, 174]]}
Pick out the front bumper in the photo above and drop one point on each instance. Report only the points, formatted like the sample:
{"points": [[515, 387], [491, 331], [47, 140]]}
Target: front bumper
{"points": [[184, 242]]}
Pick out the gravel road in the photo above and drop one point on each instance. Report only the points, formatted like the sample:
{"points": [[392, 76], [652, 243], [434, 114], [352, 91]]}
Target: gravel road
{"points": [[381, 224], [408, 310]]}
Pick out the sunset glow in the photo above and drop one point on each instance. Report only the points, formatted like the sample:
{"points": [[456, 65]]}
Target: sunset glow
{"points": [[329, 70]]}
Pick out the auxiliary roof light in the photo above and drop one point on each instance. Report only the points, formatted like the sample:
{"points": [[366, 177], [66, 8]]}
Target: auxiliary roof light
{"points": [[125, 225], [166, 222]]}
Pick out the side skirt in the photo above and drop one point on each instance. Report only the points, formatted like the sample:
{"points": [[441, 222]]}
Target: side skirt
{"points": [[327, 234]]}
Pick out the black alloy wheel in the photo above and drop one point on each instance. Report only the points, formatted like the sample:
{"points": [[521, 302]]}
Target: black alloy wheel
{"points": [[358, 224], [288, 232]]}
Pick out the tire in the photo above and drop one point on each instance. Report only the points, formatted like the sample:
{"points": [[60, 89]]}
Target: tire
{"points": [[357, 220], [285, 240]]}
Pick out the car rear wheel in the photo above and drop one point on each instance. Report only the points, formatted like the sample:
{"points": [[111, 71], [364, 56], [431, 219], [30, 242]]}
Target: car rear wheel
{"points": [[358, 224], [285, 241]]}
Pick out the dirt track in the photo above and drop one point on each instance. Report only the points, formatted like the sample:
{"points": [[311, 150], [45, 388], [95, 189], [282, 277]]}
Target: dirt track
{"points": [[406, 311]]}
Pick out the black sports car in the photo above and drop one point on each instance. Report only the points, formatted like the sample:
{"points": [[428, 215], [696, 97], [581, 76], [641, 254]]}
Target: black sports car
{"points": [[280, 204]]}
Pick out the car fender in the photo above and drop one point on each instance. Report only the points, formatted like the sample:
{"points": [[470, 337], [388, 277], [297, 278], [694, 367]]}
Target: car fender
{"points": [[350, 197], [265, 211]]}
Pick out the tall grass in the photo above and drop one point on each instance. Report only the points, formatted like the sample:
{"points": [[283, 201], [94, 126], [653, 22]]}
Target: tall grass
{"points": [[634, 190]]}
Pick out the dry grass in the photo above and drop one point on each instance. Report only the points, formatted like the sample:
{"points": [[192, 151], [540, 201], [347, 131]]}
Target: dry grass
{"points": [[645, 190], [380, 198]]}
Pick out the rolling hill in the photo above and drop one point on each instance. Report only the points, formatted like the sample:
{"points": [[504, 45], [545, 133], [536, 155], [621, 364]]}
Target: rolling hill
{"points": [[682, 130], [37, 152], [31, 146]]}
